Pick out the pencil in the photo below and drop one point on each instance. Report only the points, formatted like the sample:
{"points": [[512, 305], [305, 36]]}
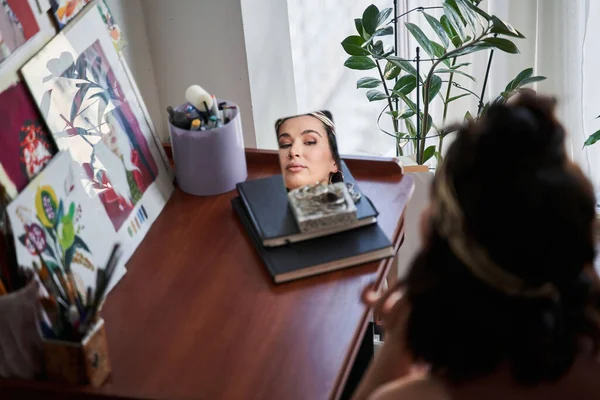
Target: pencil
{"points": [[2, 288]]}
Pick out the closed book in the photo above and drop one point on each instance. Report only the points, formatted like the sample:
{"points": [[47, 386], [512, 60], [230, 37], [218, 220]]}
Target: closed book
{"points": [[318, 255], [267, 203]]}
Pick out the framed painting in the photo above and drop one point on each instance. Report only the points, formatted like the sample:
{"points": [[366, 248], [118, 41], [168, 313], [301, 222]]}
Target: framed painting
{"points": [[25, 144], [89, 103], [54, 219], [66, 10], [17, 25]]}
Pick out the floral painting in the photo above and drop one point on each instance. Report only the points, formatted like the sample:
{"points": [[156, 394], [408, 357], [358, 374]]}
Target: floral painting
{"points": [[90, 104], [118, 161], [17, 25], [53, 219], [25, 144]]}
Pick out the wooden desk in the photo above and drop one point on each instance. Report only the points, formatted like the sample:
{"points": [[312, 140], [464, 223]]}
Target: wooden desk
{"points": [[198, 317]]}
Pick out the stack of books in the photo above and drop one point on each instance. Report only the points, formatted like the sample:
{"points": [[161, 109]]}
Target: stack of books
{"points": [[288, 254]]}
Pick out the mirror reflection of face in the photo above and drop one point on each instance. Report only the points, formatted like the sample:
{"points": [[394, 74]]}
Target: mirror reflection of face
{"points": [[304, 153]]}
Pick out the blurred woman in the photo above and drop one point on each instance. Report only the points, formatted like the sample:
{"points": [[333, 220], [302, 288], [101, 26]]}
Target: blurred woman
{"points": [[503, 300]]}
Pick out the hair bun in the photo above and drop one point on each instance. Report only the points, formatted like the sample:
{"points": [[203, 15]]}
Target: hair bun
{"points": [[528, 131]]}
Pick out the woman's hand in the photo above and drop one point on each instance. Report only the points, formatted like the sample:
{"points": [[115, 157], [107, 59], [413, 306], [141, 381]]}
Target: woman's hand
{"points": [[391, 308], [393, 361]]}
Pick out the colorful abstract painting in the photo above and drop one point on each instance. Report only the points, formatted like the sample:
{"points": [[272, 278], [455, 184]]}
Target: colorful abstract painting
{"points": [[113, 28], [90, 106], [66, 10], [25, 144], [17, 25], [54, 218]]}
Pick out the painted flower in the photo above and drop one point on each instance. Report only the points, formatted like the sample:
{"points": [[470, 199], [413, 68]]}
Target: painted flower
{"points": [[35, 239], [46, 206]]}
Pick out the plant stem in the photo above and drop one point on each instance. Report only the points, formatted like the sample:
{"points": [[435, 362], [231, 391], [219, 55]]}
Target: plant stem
{"points": [[387, 93], [487, 73], [445, 113], [426, 84]]}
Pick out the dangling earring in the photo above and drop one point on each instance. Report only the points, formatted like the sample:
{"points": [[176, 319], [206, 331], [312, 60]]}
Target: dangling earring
{"points": [[337, 176]]}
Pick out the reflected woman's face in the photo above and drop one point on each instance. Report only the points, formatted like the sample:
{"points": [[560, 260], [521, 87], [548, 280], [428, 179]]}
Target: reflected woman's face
{"points": [[304, 153]]}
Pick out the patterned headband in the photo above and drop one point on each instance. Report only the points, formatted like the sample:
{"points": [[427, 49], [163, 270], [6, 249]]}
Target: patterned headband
{"points": [[450, 224], [323, 118], [317, 114]]}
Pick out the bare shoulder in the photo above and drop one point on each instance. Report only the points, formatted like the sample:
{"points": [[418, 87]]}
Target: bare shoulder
{"points": [[411, 388]]}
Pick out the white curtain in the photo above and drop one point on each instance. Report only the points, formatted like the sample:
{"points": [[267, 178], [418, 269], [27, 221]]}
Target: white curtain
{"points": [[562, 44]]}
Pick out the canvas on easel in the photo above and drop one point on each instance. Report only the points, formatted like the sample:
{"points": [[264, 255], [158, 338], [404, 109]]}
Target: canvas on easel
{"points": [[91, 108]]}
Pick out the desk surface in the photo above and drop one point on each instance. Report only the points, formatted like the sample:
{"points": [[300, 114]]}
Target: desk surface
{"points": [[197, 315]]}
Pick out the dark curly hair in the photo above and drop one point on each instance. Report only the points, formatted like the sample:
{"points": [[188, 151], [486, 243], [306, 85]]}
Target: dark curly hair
{"points": [[532, 211]]}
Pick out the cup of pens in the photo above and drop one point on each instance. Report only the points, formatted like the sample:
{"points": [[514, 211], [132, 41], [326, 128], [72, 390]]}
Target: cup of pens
{"points": [[207, 143], [73, 336]]}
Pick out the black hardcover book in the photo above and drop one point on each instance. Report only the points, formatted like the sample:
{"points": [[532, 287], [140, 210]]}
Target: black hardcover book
{"points": [[318, 255], [267, 204]]}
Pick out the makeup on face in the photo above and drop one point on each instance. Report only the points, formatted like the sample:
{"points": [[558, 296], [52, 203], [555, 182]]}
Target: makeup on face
{"points": [[305, 153]]}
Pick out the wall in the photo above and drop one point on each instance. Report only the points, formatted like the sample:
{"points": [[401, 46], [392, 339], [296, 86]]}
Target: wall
{"points": [[270, 66], [198, 42]]}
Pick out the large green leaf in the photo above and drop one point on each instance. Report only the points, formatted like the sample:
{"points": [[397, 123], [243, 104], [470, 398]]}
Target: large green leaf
{"points": [[408, 101], [391, 71], [383, 16], [478, 10], [472, 49], [359, 28], [428, 153], [502, 44], [455, 71], [421, 38], [435, 84], [594, 137], [526, 73], [388, 30], [532, 80], [374, 95], [405, 84], [454, 19], [504, 28], [448, 28], [370, 19], [438, 29], [352, 46], [456, 41], [406, 114], [359, 62], [405, 65], [368, 82], [468, 15], [440, 52]]}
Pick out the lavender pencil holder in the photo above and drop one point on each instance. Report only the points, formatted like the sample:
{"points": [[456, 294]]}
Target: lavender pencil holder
{"points": [[209, 162]]}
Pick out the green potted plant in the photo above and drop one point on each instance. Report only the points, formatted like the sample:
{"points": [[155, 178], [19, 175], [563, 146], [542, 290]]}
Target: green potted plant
{"points": [[463, 28]]}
